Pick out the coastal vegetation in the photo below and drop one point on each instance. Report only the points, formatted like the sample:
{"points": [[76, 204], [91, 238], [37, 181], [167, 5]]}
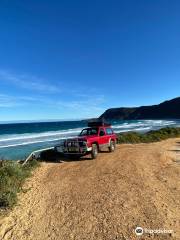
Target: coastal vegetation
{"points": [[12, 176], [151, 136]]}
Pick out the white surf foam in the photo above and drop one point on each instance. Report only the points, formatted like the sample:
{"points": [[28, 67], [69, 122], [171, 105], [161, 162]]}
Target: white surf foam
{"points": [[34, 142], [50, 136], [38, 135]]}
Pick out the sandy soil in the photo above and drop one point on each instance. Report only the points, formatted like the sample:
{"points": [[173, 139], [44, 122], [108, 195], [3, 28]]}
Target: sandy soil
{"points": [[103, 199]]}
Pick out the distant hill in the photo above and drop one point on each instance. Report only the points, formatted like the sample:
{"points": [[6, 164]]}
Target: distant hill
{"points": [[164, 110]]}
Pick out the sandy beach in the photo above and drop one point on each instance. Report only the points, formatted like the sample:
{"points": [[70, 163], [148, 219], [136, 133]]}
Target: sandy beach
{"points": [[103, 199]]}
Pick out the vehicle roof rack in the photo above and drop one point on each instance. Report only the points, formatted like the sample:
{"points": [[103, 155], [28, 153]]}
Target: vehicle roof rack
{"points": [[98, 124]]}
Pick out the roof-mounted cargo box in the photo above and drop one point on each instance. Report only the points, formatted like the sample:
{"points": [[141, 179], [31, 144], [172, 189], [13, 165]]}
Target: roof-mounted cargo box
{"points": [[98, 124]]}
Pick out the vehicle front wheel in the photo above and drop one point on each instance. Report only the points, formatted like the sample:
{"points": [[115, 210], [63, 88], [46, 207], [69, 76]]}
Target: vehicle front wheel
{"points": [[112, 146], [94, 151]]}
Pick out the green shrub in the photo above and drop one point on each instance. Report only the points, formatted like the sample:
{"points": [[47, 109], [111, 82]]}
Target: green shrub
{"points": [[151, 136], [130, 137], [12, 176]]}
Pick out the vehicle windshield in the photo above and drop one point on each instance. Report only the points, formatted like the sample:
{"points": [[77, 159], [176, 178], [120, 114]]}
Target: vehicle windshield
{"points": [[89, 132]]}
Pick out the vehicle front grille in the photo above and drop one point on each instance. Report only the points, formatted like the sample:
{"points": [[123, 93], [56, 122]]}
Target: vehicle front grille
{"points": [[75, 146]]}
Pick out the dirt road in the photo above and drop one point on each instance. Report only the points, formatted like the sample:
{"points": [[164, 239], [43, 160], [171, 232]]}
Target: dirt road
{"points": [[103, 199]]}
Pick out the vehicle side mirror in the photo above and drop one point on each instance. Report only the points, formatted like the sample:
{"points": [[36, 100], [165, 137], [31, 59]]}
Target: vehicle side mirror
{"points": [[101, 133]]}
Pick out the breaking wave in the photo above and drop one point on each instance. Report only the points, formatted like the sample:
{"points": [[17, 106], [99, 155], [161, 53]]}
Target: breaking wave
{"points": [[33, 140]]}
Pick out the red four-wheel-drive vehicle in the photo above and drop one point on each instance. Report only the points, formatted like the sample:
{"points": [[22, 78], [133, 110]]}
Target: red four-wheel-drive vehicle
{"points": [[96, 137]]}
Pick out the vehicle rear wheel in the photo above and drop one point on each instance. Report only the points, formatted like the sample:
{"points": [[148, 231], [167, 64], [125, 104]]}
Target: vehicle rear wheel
{"points": [[94, 151], [112, 146]]}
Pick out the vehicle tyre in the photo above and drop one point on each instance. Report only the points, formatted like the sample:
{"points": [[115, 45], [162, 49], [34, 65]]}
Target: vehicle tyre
{"points": [[112, 146], [94, 151]]}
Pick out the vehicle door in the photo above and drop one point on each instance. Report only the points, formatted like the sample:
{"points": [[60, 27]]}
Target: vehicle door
{"points": [[109, 133], [103, 138]]}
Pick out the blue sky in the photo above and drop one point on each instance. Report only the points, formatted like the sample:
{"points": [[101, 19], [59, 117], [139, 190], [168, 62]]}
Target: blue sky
{"points": [[74, 59]]}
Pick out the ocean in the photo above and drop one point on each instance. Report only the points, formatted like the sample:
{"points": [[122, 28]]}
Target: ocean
{"points": [[18, 140]]}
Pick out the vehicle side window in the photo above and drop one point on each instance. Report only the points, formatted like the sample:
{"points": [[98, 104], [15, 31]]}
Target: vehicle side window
{"points": [[84, 132], [101, 133], [93, 131], [109, 131]]}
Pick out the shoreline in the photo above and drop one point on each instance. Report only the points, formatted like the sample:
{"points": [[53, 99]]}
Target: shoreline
{"points": [[124, 137], [27, 138]]}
